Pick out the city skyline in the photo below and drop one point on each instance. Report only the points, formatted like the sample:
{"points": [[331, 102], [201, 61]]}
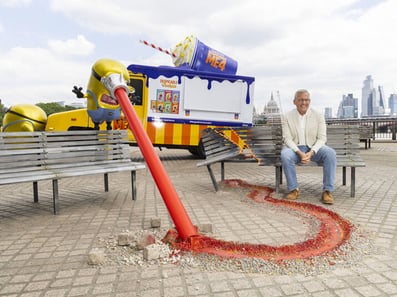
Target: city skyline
{"points": [[352, 107]]}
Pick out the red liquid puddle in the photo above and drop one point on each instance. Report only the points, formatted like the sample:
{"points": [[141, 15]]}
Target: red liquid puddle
{"points": [[333, 232]]}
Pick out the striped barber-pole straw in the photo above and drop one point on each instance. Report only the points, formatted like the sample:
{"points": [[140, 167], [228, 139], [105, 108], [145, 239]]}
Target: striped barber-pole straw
{"points": [[157, 48]]}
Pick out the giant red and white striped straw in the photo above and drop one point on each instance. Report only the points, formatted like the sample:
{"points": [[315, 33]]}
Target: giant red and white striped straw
{"points": [[157, 48]]}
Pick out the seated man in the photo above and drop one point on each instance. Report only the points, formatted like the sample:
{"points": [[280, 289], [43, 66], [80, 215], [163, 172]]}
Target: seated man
{"points": [[305, 134]]}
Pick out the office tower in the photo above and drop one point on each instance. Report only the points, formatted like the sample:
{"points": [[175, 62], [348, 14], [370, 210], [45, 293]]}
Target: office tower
{"points": [[366, 101], [379, 103], [328, 112], [393, 104], [373, 99], [348, 107]]}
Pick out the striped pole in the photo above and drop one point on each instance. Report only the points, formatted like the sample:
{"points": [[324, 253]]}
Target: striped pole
{"points": [[157, 48]]}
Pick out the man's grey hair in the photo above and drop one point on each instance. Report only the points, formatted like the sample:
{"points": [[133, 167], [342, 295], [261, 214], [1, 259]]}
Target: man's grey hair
{"points": [[301, 91]]}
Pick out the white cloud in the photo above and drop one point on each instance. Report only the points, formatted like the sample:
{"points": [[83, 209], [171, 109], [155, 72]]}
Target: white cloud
{"points": [[326, 46], [15, 3], [31, 75], [79, 46]]}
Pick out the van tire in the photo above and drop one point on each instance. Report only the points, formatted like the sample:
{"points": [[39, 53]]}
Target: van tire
{"points": [[198, 151]]}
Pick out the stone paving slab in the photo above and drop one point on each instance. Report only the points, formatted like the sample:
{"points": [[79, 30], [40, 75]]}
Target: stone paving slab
{"points": [[46, 255]]}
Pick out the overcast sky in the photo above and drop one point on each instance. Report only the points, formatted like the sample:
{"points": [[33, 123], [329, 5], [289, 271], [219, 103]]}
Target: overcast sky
{"points": [[328, 47]]}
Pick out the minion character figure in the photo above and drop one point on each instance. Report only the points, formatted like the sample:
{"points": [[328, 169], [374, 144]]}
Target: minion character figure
{"points": [[24, 118], [102, 106]]}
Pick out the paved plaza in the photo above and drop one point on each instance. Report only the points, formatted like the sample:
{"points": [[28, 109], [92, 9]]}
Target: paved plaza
{"points": [[46, 255]]}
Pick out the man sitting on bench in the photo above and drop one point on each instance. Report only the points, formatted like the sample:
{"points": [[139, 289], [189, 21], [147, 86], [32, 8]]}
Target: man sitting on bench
{"points": [[305, 135]]}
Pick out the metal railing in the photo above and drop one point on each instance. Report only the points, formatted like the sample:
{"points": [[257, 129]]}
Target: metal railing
{"points": [[382, 128]]}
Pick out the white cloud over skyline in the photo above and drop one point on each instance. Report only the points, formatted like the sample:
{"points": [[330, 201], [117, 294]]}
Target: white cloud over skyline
{"points": [[328, 47]]}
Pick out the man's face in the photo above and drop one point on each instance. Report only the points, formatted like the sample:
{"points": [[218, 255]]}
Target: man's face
{"points": [[302, 102]]}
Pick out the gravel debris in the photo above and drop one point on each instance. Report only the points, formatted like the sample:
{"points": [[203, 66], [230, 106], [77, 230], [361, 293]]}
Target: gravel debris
{"points": [[133, 255], [351, 253]]}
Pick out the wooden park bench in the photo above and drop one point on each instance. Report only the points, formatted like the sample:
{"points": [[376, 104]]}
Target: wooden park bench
{"points": [[264, 144], [37, 156]]}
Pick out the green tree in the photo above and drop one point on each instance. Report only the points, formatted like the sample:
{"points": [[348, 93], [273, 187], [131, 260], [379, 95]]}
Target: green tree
{"points": [[54, 107]]}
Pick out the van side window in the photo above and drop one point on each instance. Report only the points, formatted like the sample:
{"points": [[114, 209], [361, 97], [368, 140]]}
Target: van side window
{"points": [[136, 97]]}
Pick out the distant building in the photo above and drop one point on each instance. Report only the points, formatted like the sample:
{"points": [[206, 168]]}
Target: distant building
{"points": [[366, 92], [378, 103], [77, 104], [81, 104], [328, 112], [393, 104], [270, 114], [372, 101], [271, 107], [348, 107]]}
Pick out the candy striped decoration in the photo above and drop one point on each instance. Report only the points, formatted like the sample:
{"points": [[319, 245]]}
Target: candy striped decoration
{"points": [[157, 48]]}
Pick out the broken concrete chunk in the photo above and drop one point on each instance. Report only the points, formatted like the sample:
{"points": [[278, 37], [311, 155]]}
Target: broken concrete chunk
{"points": [[155, 222], [151, 252], [125, 238], [146, 239], [96, 257]]}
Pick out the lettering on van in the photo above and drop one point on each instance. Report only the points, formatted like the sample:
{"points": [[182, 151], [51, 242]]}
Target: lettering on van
{"points": [[216, 60], [120, 124], [168, 83]]}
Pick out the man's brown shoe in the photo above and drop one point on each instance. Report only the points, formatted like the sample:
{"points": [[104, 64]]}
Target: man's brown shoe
{"points": [[293, 195], [327, 198]]}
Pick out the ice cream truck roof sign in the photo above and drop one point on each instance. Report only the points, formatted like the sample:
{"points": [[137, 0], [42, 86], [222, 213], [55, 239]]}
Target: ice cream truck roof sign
{"points": [[180, 72]]}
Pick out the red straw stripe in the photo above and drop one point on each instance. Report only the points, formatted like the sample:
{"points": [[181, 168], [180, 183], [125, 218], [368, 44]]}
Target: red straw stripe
{"points": [[157, 47]]}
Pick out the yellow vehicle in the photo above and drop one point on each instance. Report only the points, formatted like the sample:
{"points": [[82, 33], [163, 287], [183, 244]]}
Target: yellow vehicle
{"points": [[175, 104]]}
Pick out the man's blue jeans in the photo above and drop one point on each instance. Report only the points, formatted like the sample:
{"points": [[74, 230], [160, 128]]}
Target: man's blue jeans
{"points": [[325, 156]]}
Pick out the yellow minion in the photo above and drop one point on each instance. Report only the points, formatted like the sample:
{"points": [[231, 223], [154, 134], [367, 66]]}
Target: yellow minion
{"points": [[101, 105], [24, 118]]}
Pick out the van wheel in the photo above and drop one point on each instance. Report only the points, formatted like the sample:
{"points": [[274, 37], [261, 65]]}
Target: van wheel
{"points": [[198, 151]]}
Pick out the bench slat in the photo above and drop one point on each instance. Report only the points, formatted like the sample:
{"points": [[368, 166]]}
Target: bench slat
{"points": [[22, 177]]}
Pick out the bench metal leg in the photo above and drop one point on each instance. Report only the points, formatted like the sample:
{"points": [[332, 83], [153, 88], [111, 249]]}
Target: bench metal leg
{"points": [[106, 182], [344, 176], [55, 197], [278, 177], [35, 192], [281, 175], [222, 171], [133, 185], [213, 179], [353, 182]]}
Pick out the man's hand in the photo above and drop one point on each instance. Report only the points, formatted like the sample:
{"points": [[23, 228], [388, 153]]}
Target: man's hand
{"points": [[305, 157]]}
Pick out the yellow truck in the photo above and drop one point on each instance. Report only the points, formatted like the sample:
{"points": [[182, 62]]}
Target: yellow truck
{"points": [[174, 104]]}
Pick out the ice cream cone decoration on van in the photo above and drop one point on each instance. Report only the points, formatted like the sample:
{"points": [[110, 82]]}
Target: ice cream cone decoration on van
{"points": [[194, 54]]}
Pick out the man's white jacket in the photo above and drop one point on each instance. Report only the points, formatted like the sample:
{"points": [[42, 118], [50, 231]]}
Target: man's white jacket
{"points": [[315, 134]]}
